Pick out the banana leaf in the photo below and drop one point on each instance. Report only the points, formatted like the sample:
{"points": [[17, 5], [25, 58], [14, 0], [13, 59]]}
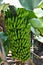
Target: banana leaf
{"points": [[41, 5], [30, 4], [36, 23]]}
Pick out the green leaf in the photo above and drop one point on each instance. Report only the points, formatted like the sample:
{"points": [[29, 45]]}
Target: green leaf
{"points": [[41, 5], [41, 19], [36, 23], [41, 30], [30, 4]]}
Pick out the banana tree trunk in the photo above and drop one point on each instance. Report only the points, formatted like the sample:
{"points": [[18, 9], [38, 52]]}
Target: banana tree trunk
{"points": [[3, 56]]}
